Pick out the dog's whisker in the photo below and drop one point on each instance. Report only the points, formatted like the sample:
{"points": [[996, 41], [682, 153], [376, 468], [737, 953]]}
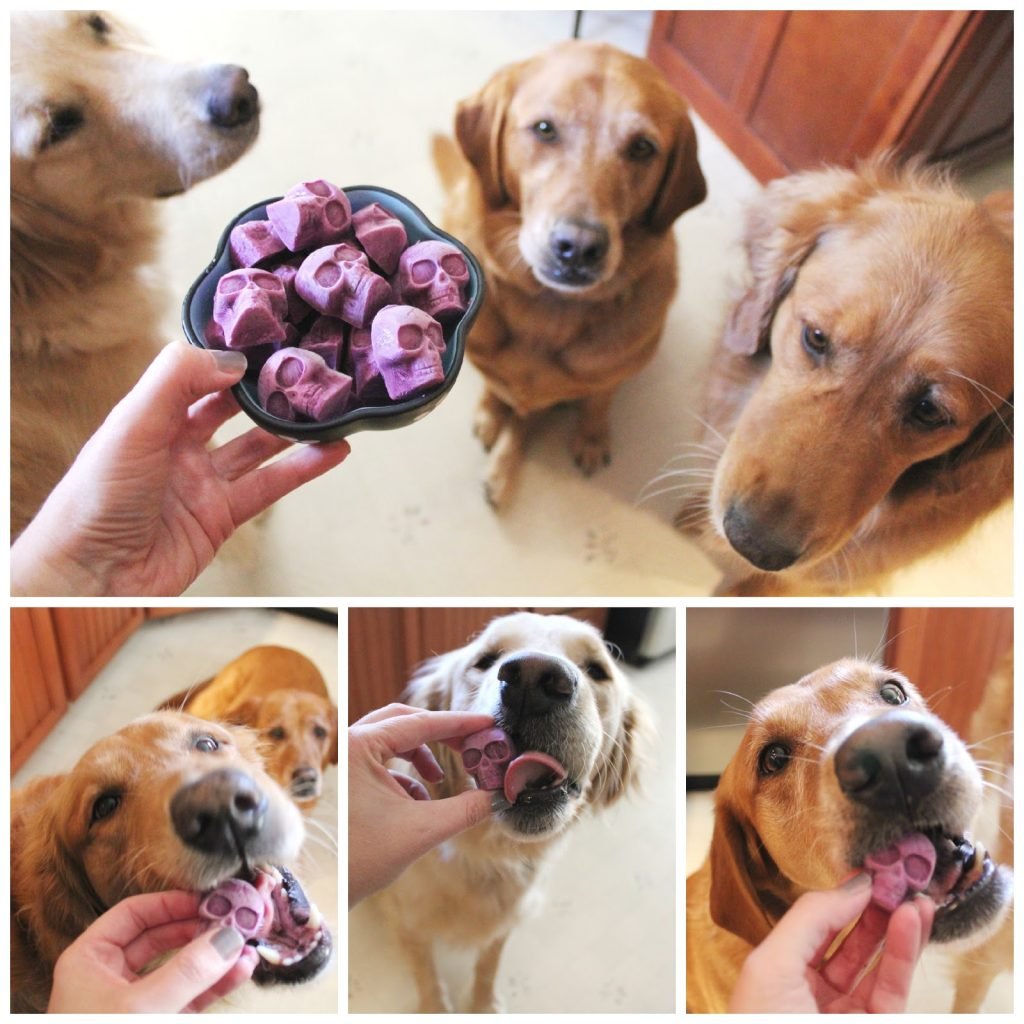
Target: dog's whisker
{"points": [[707, 426], [997, 789], [988, 739]]}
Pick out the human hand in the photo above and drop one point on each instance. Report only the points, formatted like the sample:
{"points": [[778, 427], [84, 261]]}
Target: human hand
{"points": [[784, 973], [100, 971], [146, 505], [391, 819]]}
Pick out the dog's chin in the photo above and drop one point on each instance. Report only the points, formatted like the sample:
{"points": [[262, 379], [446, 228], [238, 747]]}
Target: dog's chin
{"points": [[568, 282], [537, 816]]}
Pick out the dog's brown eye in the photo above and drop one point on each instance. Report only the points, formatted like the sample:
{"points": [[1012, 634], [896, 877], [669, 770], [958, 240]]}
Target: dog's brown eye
{"points": [[596, 671], [892, 693], [485, 661], [545, 131], [105, 806], [815, 341], [319, 732], [206, 744], [277, 733], [98, 24], [929, 414], [641, 149], [773, 758], [64, 121]]}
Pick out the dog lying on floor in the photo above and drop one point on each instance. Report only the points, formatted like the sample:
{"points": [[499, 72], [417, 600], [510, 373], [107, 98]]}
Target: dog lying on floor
{"points": [[281, 695], [859, 409], [101, 127], [577, 163], [168, 802], [832, 769], [551, 685]]}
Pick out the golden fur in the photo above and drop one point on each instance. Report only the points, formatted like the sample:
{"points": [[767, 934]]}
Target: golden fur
{"points": [[539, 342], [490, 873], [778, 836], [832, 469], [86, 302]]}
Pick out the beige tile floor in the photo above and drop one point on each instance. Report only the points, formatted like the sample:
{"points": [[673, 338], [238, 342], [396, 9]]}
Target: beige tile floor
{"points": [[162, 658], [354, 97], [603, 940]]}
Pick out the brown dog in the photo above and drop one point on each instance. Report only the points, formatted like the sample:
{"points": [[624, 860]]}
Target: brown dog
{"points": [[282, 695], [830, 770], [860, 405], [579, 161]]}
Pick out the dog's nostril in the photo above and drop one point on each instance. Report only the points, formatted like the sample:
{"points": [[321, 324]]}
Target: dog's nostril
{"points": [[579, 244], [233, 99], [924, 744]]}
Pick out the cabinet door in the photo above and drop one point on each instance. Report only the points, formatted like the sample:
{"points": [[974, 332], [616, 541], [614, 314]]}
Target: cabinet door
{"points": [[88, 638], [37, 692]]}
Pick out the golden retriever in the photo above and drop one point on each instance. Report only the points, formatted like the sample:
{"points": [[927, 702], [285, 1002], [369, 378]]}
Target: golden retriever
{"points": [[576, 164], [830, 770], [859, 410], [280, 694], [168, 802], [551, 685], [101, 126]]}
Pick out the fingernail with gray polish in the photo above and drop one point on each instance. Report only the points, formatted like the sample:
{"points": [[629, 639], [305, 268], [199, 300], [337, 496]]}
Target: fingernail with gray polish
{"points": [[857, 882], [227, 942], [229, 362]]}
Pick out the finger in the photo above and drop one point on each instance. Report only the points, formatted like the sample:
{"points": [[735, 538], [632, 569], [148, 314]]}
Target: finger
{"points": [[242, 454], [858, 950], [209, 414], [412, 786], [423, 760], [258, 490], [159, 939], [388, 711], [127, 920], [441, 819], [405, 732], [905, 938], [238, 975], [190, 972]]}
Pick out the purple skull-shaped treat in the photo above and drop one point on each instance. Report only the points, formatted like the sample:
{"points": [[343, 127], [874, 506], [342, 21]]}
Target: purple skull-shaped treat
{"points": [[313, 213], [326, 337], [298, 308], [381, 234], [432, 276], [901, 870], [295, 383], [237, 904], [361, 365], [250, 307], [337, 280], [252, 242], [408, 345], [486, 756]]}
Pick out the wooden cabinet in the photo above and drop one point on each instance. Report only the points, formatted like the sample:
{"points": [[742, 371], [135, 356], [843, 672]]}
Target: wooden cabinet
{"points": [[787, 90], [386, 644], [87, 638]]}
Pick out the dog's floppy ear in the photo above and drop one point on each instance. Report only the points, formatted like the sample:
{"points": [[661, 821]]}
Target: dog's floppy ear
{"points": [[999, 206], [621, 769], [332, 714], [480, 128], [244, 712], [738, 861], [682, 185]]}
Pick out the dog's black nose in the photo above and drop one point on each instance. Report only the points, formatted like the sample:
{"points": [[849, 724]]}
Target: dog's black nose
{"points": [[760, 543], [891, 763], [578, 245], [535, 684], [304, 782], [219, 812], [233, 99]]}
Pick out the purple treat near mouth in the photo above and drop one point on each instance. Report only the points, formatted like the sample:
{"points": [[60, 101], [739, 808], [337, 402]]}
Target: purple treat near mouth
{"points": [[486, 755], [337, 280], [432, 276], [295, 383], [901, 870], [361, 364], [252, 242], [312, 213], [326, 337], [250, 307], [381, 234], [407, 344], [237, 904]]}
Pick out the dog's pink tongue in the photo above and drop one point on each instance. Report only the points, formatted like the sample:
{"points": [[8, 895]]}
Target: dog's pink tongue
{"points": [[530, 768]]}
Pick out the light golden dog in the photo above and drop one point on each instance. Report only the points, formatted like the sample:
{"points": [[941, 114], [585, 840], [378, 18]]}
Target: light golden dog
{"points": [[577, 163], [100, 127], [282, 695], [860, 406], [168, 802], [477, 889], [799, 806]]}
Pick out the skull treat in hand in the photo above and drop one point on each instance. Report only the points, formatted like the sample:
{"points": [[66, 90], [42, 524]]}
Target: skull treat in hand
{"points": [[381, 234], [252, 242], [486, 756], [250, 307], [901, 870], [432, 276], [237, 904], [313, 213], [408, 345], [361, 365], [337, 280], [295, 383]]}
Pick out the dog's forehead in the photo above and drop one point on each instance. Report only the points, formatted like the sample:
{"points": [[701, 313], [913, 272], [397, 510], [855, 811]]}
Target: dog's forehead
{"points": [[554, 634], [150, 738]]}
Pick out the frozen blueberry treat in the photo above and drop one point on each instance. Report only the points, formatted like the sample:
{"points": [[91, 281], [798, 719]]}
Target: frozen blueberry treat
{"points": [[253, 242], [237, 904], [326, 337], [486, 756], [337, 280], [250, 307], [295, 384], [432, 276], [313, 213], [361, 365], [298, 308], [408, 345], [381, 234], [901, 870]]}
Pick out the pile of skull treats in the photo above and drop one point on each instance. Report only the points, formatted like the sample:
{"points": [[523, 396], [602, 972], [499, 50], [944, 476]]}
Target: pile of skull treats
{"points": [[336, 309]]}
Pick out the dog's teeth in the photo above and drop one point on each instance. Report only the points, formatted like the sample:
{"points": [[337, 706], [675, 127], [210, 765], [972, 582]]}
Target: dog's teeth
{"points": [[270, 955], [314, 917]]}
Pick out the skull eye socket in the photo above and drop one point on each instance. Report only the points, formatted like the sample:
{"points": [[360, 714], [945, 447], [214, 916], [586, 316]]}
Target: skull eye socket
{"points": [[471, 758], [218, 905], [453, 264], [318, 188], [422, 271], [229, 284], [496, 751], [335, 213], [279, 406], [410, 337], [247, 917], [327, 274], [266, 281], [289, 372]]}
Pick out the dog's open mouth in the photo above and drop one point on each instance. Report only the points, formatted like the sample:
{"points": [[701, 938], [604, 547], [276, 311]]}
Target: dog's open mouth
{"points": [[534, 778], [268, 905]]}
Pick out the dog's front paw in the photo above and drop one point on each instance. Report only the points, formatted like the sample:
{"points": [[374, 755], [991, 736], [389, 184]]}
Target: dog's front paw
{"points": [[591, 452], [487, 424], [491, 1004]]}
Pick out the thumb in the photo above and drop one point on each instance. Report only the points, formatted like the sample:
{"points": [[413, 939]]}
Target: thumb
{"points": [[190, 972], [443, 819]]}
